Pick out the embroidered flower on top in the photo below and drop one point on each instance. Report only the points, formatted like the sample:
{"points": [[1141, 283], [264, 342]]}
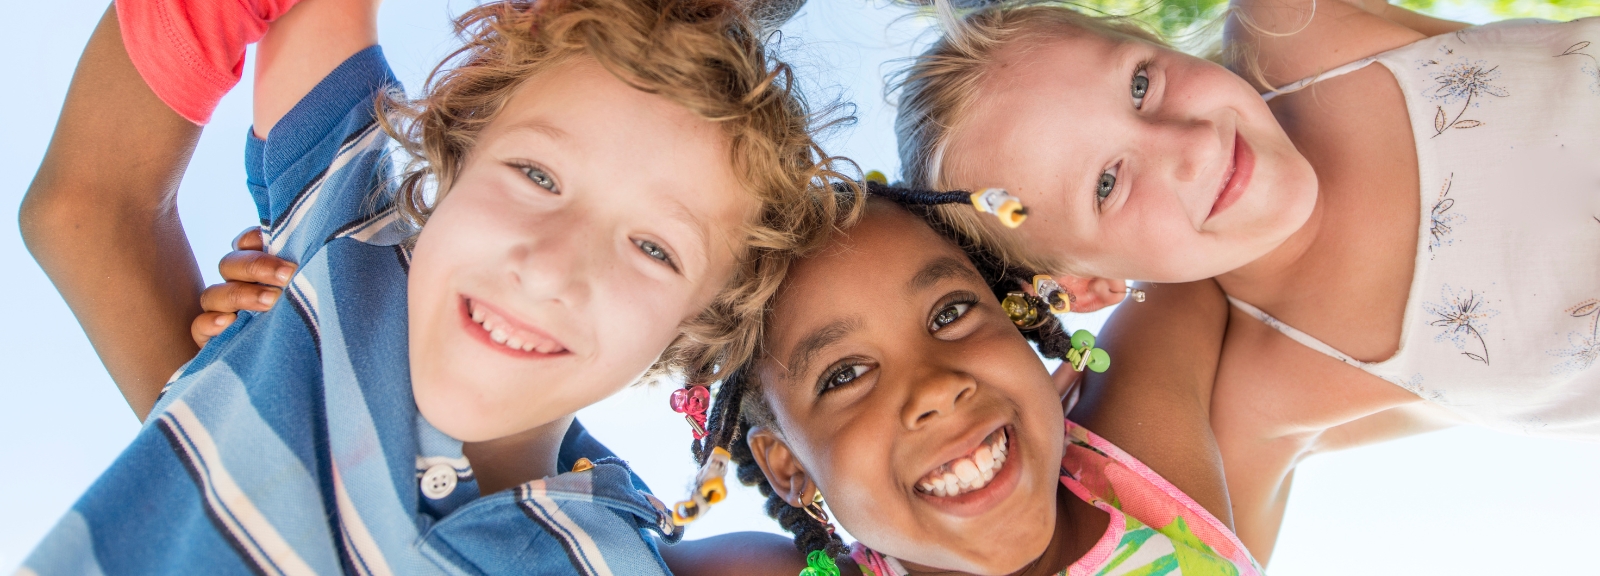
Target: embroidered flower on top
{"points": [[1443, 221], [1585, 347], [1461, 81], [1464, 317], [1592, 69]]}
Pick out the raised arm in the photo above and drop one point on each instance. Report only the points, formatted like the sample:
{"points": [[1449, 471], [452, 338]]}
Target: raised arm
{"points": [[1155, 401], [302, 47], [101, 218]]}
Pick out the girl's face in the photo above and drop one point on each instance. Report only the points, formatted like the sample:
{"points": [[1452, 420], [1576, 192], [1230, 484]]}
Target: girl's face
{"points": [[588, 222], [1134, 161], [892, 370]]}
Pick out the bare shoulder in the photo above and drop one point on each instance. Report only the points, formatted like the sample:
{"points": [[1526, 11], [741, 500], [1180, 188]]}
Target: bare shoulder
{"points": [[1286, 40], [1154, 401]]}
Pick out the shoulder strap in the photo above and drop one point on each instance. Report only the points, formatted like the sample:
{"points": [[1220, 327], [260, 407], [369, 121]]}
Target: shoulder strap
{"points": [[1306, 339], [1304, 82]]}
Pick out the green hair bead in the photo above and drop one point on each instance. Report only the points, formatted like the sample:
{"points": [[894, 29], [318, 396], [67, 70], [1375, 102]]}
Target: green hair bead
{"points": [[819, 563]]}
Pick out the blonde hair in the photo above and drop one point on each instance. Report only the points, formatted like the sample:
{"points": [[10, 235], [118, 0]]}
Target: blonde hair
{"points": [[939, 86], [704, 55]]}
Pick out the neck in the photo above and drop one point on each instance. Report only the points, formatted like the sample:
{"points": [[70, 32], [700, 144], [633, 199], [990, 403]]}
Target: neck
{"points": [[1262, 279], [516, 459]]}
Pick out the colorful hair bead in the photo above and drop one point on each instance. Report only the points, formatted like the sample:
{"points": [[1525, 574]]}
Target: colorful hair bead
{"points": [[708, 488], [1023, 310], [819, 563], [691, 402], [1002, 204], [1084, 355], [1059, 299]]}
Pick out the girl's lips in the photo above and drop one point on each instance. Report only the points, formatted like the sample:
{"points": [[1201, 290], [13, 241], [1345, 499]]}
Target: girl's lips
{"points": [[1244, 163], [982, 500], [477, 331]]}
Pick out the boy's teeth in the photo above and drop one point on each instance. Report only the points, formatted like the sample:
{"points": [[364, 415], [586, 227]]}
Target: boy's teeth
{"points": [[498, 335], [968, 473]]}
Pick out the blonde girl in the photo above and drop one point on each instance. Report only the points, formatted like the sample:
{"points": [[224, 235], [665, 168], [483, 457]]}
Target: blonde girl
{"points": [[1406, 245]]}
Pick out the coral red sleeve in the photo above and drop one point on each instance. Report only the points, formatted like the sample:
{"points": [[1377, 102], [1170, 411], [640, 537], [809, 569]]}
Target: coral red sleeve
{"points": [[191, 52]]}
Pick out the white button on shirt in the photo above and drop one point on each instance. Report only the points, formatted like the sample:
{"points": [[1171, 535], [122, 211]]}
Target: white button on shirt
{"points": [[438, 481]]}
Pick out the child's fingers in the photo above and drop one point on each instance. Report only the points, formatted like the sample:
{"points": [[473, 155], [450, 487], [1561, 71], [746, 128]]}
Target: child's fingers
{"points": [[249, 239], [208, 325], [257, 267], [230, 297]]}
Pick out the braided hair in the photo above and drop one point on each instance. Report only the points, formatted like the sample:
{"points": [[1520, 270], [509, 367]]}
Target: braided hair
{"points": [[738, 404]]}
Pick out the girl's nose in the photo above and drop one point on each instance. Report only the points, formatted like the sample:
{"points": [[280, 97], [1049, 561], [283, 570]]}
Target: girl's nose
{"points": [[1191, 147], [933, 394]]}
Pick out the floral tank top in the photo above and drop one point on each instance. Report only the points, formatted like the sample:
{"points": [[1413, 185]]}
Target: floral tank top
{"points": [[1502, 324], [1154, 529]]}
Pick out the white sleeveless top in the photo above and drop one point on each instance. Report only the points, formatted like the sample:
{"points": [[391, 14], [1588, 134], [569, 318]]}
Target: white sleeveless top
{"points": [[1502, 325]]}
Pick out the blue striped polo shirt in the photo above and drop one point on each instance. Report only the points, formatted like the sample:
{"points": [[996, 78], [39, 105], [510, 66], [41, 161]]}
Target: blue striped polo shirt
{"points": [[291, 444]]}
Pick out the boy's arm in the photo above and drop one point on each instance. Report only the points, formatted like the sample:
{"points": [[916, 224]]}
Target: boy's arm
{"points": [[302, 47], [101, 218], [1155, 401]]}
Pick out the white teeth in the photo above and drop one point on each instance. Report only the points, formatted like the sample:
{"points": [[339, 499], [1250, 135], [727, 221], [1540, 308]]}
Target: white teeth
{"points": [[498, 335], [967, 474], [478, 315], [966, 471], [527, 347], [514, 342]]}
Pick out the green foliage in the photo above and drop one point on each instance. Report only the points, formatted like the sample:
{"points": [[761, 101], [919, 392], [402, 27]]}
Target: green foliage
{"points": [[1181, 19]]}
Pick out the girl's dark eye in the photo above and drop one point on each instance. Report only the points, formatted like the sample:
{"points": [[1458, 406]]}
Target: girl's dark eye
{"points": [[1107, 183], [1141, 85], [843, 375], [948, 315], [655, 251], [540, 178]]}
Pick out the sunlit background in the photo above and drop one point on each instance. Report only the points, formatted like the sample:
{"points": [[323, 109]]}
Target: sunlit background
{"points": [[1462, 501]]}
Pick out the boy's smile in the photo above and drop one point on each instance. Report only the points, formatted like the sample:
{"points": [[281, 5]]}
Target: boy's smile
{"points": [[587, 223]]}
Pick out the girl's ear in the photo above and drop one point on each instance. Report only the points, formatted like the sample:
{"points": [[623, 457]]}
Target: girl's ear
{"points": [[1090, 294], [782, 469]]}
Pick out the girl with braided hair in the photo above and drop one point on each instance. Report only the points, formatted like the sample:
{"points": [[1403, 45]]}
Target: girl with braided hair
{"points": [[890, 378]]}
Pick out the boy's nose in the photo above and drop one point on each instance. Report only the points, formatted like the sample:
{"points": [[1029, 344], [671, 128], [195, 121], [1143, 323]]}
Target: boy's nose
{"points": [[933, 394], [559, 264]]}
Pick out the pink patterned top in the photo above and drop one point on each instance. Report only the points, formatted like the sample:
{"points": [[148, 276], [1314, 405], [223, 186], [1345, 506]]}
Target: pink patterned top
{"points": [[1154, 528]]}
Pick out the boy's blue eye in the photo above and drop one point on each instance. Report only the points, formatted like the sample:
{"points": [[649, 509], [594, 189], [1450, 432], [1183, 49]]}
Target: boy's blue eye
{"points": [[540, 178], [1141, 85], [843, 375], [949, 314], [653, 250]]}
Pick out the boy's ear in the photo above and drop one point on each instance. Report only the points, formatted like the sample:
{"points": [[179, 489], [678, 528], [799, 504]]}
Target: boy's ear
{"points": [[781, 468], [1090, 294]]}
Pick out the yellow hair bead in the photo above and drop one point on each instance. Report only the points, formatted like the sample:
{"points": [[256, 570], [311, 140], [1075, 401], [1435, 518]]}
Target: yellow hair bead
{"points": [[876, 176], [709, 488], [1002, 204]]}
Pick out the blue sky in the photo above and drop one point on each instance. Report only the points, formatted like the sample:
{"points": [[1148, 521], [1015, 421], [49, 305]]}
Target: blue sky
{"points": [[1462, 501]]}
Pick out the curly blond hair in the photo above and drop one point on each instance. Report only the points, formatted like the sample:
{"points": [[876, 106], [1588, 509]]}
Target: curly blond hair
{"points": [[938, 87], [704, 55]]}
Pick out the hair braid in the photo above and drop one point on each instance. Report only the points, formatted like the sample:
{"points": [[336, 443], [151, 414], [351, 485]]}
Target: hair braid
{"points": [[729, 415]]}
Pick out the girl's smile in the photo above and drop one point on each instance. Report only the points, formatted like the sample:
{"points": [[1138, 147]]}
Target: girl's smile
{"points": [[976, 481], [1237, 178]]}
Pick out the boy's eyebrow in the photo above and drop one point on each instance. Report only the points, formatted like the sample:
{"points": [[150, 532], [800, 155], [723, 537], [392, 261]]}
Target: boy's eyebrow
{"points": [[540, 126], [818, 339], [942, 268]]}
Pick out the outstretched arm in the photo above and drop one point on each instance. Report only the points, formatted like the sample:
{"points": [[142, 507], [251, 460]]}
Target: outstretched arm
{"points": [[302, 47], [101, 218]]}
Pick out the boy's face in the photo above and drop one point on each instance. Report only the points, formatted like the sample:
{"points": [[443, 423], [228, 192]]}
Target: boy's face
{"points": [[588, 222], [890, 364], [1134, 161]]}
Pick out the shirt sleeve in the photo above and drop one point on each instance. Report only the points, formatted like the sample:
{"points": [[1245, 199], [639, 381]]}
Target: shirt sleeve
{"points": [[191, 52], [323, 167]]}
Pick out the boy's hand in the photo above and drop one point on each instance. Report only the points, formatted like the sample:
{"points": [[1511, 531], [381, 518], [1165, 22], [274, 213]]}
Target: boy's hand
{"points": [[252, 280]]}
